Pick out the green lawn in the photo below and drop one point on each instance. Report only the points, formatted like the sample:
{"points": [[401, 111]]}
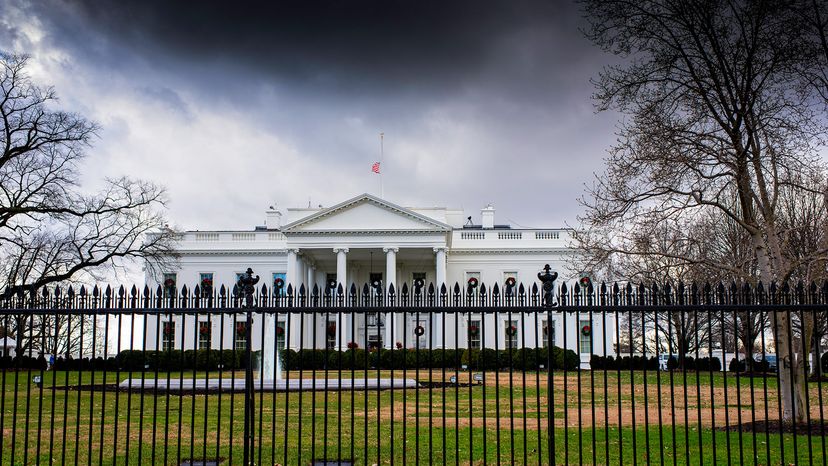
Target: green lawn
{"points": [[39, 424]]}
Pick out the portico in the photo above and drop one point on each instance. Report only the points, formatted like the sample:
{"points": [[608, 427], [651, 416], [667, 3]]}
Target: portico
{"points": [[337, 246]]}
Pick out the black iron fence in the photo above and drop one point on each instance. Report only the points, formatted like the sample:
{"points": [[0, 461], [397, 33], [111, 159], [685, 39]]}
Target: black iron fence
{"points": [[464, 375]]}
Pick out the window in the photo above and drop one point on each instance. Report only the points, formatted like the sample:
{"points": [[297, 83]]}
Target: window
{"points": [[472, 282], [275, 281], [330, 335], [204, 333], [545, 333], [510, 283], [418, 278], [474, 334], [374, 319], [331, 283], [422, 340], [585, 337], [169, 284], [205, 284], [240, 336], [548, 332], [511, 332], [168, 336], [375, 280], [280, 335]]}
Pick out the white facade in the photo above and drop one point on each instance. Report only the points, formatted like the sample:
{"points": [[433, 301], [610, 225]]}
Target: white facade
{"points": [[367, 238]]}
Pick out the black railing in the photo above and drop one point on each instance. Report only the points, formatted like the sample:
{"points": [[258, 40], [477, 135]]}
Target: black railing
{"points": [[464, 375]]}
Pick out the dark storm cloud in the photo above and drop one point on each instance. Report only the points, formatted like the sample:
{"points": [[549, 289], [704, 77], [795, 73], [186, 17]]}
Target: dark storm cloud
{"points": [[479, 101], [345, 46]]}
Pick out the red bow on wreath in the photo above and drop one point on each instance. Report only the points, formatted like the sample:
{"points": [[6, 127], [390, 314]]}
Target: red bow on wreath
{"points": [[280, 331], [204, 329], [511, 330], [331, 330], [474, 330], [586, 330], [240, 328], [472, 282]]}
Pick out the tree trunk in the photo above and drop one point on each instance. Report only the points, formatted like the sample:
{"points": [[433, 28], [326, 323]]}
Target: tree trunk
{"points": [[790, 383]]}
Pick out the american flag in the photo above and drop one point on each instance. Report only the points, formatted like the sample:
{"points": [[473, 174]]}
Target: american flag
{"points": [[375, 167]]}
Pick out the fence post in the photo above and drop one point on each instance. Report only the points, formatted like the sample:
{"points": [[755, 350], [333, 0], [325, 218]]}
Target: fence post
{"points": [[547, 277], [247, 288]]}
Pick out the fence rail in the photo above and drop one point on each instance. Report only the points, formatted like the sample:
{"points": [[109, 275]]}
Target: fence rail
{"points": [[468, 374]]}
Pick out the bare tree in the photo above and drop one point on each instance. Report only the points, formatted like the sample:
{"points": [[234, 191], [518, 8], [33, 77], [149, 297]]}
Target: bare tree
{"points": [[719, 119], [50, 230]]}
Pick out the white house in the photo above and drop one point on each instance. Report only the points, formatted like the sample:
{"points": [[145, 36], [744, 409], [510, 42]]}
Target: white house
{"points": [[367, 239]]}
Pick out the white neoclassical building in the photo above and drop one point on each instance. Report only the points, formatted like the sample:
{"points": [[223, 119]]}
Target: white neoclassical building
{"points": [[366, 240]]}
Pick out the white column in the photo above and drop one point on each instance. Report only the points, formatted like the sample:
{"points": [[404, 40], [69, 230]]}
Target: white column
{"points": [[292, 278], [311, 276], [440, 273], [440, 268], [390, 278], [292, 267], [301, 275], [390, 268], [342, 279]]}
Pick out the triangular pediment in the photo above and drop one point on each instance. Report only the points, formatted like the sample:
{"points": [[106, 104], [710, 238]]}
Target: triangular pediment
{"points": [[365, 213]]}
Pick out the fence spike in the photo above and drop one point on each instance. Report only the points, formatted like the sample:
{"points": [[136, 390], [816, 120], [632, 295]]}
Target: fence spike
{"points": [[482, 288], [70, 292], [694, 292], [196, 291], [57, 292], [82, 291], [353, 289], [315, 290], [443, 291], [222, 291], [108, 291], [456, 288], [184, 291], [800, 292], [590, 289], [391, 290], [495, 290], [235, 291], [603, 288], [654, 296], [303, 291], [264, 290], [158, 292]]}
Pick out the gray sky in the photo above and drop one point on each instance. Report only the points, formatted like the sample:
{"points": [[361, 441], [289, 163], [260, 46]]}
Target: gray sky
{"points": [[235, 107]]}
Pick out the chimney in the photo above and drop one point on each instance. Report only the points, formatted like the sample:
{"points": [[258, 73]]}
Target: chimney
{"points": [[273, 219], [487, 216]]}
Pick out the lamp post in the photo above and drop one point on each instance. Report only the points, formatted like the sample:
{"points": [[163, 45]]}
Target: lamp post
{"points": [[548, 277], [247, 287]]}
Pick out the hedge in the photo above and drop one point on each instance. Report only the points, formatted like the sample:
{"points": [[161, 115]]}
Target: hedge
{"points": [[486, 359], [23, 362], [739, 365], [176, 360], [597, 362]]}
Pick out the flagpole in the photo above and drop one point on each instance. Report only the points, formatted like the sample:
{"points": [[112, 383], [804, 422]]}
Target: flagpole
{"points": [[382, 191]]}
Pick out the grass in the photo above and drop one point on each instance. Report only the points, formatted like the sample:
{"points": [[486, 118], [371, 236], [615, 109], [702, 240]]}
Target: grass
{"points": [[434, 425]]}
